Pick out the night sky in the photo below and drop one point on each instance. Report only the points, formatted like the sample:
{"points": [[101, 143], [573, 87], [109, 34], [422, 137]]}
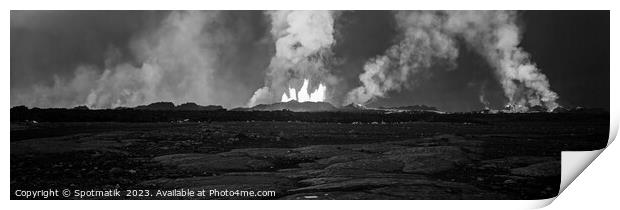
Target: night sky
{"points": [[570, 47]]}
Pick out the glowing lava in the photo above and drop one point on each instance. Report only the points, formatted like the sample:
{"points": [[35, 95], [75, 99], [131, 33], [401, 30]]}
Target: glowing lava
{"points": [[317, 95]]}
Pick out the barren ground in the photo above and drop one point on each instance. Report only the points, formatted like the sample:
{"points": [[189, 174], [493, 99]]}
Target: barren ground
{"points": [[303, 160]]}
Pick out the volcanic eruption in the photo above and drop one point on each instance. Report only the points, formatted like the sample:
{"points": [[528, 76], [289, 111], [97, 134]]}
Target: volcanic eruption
{"points": [[303, 42], [317, 95], [429, 39]]}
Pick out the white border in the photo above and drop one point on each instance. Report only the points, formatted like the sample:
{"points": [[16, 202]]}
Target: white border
{"points": [[311, 5], [599, 181]]}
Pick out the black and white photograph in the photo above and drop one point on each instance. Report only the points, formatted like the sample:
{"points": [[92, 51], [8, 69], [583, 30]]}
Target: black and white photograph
{"points": [[303, 104]]}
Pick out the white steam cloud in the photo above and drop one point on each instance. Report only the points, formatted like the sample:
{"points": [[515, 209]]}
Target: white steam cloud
{"points": [[303, 42], [429, 40], [423, 44], [177, 63]]}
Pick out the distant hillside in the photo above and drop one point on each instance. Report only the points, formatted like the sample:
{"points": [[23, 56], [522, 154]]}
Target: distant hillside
{"points": [[80, 108], [165, 106], [157, 106], [292, 106], [358, 108], [413, 108], [196, 107], [353, 107], [305, 112], [324, 106], [541, 109]]}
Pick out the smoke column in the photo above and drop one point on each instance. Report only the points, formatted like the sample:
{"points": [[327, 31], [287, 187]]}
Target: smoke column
{"points": [[482, 96], [303, 42], [429, 40], [176, 62], [423, 44]]}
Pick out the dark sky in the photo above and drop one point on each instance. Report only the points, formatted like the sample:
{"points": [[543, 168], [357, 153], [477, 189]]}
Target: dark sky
{"points": [[44, 43], [570, 47]]}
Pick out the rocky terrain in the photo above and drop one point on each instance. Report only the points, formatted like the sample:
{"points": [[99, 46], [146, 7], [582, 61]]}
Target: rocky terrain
{"points": [[292, 106], [303, 160]]}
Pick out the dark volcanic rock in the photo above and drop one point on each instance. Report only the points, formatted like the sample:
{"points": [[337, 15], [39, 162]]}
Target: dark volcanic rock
{"points": [[317, 152], [82, 142], [197, 182], [360, 183], [21, 108], [546, 169], [514, 162], [169, 106], [157, 106], [384, 186], [585, 110], [265, 153], [429, 160], [322, 180], [373, 164], [356, 108], [230, 182], [418, 168], [345, 172], [204, 163], [537, 108], [560, 109], [374, 147], [344, 158], [339, 195], [196, 107], [392, 160], [80, 108], [294, 106], [415, 108], [437, 191]]}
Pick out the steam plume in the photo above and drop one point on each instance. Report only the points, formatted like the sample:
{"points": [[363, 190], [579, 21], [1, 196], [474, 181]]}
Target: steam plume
{"points": [[423, 44], [430, 36], [482, 98], [303, 42], [176, 62]]}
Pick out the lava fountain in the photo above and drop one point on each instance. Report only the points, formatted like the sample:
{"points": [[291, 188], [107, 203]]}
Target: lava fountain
{"points": [[303, 95]]}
